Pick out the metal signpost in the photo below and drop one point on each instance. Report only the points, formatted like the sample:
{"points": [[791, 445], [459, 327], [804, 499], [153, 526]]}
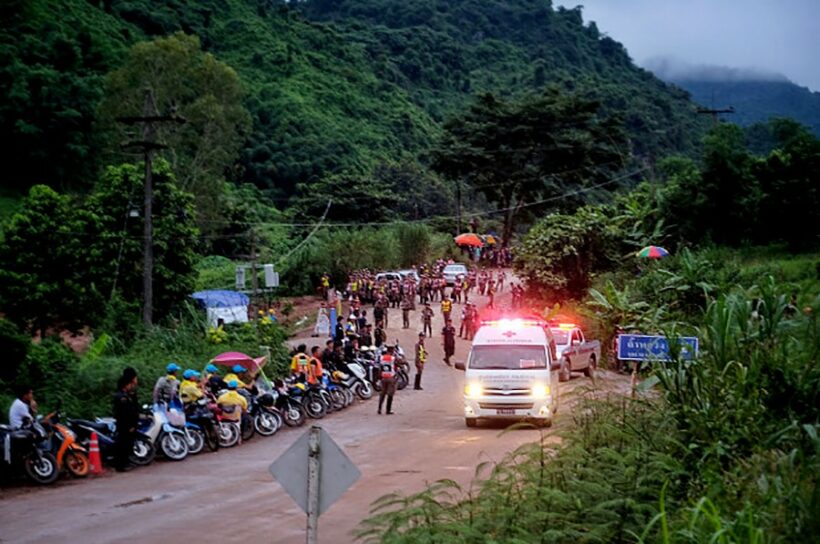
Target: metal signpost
{"points": [[640, 347], [315, 472]]}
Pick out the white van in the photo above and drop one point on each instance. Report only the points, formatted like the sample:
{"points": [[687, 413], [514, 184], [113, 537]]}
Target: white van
{"points": [[510, 373]]}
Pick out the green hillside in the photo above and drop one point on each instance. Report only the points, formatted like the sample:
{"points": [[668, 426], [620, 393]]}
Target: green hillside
{"points": [[758, 101], [331, 86]]}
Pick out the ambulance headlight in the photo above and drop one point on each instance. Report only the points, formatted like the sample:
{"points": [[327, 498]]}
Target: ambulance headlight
{"points": [[473, 390], [540, 391]]}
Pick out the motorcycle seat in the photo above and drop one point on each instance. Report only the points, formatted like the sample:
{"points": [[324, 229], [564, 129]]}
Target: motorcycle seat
{"points": [[96, 425]]}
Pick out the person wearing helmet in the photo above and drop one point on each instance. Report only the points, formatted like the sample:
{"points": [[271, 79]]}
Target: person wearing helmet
{"points": [[167, 387], [232, 403], [190, 390], [234, 376]]}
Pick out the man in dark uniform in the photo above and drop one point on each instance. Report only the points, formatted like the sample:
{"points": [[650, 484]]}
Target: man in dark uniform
{"points": [[448, 334], [366, 337], [421, 358], [126, 414]]}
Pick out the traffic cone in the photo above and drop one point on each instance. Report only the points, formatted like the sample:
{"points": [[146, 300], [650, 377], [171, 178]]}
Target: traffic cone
{"points": [[94, 455]]}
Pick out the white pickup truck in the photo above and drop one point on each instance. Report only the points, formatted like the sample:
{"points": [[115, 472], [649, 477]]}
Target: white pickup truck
{"points": [[575, 352]]}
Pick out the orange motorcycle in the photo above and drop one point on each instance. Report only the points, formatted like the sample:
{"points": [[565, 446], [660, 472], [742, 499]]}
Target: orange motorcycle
{"points": [[70, 454]]}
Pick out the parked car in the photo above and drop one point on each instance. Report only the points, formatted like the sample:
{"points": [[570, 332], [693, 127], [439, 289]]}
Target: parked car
{"points": [[575, 352], [453, 271]]}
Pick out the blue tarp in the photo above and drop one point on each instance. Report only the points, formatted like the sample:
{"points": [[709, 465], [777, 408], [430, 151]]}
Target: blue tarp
{"points": [[221, 298]]}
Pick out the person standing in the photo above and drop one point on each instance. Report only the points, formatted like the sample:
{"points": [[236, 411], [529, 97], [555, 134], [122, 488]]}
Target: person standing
{"points": [[446, 308], [427, 320], [387, 365], [448, 334], [126, 414], [491, 293], [421, 358], [366, 337], [406, 305], [379, 336]]}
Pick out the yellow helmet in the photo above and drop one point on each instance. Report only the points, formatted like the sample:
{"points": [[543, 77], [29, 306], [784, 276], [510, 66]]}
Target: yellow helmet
{"points": [[299, 385]]}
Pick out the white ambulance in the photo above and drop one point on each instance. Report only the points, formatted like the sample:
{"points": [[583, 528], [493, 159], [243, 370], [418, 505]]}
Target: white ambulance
{"points": [[511, 373]]}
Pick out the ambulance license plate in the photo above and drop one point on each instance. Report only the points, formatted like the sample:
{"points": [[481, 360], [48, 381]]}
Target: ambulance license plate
{"points": [[505, 411]]}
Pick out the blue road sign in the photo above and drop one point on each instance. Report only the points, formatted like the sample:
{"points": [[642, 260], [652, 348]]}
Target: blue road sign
{"points": [[639, 347]]}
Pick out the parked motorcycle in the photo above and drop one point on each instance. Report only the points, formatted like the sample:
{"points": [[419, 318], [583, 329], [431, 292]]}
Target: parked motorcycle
{"points": [[168, 439], [63, 444], [293, 413], [106, 429], [20, 450], [266, 418], [198, 413]]}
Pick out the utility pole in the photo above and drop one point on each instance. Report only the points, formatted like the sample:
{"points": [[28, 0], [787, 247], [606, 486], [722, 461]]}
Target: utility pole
{"points": [[715, 112], [148, 145], [458, 204]]}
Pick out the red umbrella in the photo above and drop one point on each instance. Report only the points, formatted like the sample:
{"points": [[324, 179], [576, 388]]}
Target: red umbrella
{"points": [[469, 239], [232, 358]]}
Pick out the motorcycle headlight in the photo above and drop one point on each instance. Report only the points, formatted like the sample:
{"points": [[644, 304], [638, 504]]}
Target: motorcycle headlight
{"points": [[540, 391], [473, 390]]}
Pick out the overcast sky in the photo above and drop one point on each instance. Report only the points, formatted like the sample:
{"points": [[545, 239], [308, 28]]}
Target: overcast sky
{"points": [[771, 35]]}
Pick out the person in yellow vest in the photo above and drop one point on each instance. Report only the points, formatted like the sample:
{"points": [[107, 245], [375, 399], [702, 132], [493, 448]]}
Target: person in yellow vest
{"points": [[190, 390], [421, 358], [232, 403], [446, 308], [300, 363], [233, 375]]}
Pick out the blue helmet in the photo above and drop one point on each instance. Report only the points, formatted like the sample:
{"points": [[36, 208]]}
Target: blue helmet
{"points": [[188, 374], [171, 368], [232, 384], [239, 368], [211, 368]]}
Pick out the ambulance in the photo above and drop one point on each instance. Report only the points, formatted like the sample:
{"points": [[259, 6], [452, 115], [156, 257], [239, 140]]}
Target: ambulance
{"points": [[511, 373]]}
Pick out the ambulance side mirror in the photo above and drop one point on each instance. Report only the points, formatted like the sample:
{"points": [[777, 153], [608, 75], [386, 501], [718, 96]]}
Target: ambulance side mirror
{"points": [[460, 366]]}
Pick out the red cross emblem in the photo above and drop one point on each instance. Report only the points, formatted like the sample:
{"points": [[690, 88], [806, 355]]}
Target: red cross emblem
{"points": [[508, 334]]}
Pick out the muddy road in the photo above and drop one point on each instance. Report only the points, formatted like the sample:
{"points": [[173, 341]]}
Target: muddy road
{"points": [[229, 496]]}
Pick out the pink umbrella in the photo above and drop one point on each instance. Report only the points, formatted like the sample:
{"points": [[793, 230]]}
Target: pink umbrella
{"points": [[232, 358]]}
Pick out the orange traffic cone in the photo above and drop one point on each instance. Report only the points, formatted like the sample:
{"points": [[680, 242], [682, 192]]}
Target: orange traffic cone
{"points": [[94, 455]]}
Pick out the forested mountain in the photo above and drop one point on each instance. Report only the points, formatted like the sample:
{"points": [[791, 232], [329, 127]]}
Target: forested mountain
{"points": [[757, 101], [331, 86], [756, 95]]}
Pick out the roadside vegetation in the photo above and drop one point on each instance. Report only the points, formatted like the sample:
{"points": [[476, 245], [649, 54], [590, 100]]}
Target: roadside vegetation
{"points": [[722, 449]]}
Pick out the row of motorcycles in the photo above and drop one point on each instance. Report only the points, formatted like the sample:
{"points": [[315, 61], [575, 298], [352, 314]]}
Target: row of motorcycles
{"points": [[43, 449]]}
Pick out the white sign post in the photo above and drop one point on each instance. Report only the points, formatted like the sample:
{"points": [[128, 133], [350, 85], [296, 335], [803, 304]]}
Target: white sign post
{"points": [[315, 472]]}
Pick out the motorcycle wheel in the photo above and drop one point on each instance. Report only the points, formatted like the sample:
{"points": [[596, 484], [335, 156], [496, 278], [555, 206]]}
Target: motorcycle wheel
{"points": [[339, 399], [144, 452], [228, 434], [174, 446], [402, 380], [42, 469], [349, 396], [195, 439], [212, 438], [294, 416], [247, 428], [265, 423], [76, 462], [365, 390], [315, 408]]}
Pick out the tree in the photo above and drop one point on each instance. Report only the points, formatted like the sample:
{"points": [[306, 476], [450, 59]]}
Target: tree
{"points": [[207, 93], [114, 261], [530, 149], [42, 282], [560, 254]]}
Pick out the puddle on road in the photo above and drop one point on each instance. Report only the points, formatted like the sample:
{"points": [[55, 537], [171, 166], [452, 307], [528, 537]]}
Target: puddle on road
{"points": [[143, 500]]}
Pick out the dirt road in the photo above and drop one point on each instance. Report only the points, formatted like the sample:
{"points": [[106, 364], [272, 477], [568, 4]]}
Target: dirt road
{"points": [[230, 496]]}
